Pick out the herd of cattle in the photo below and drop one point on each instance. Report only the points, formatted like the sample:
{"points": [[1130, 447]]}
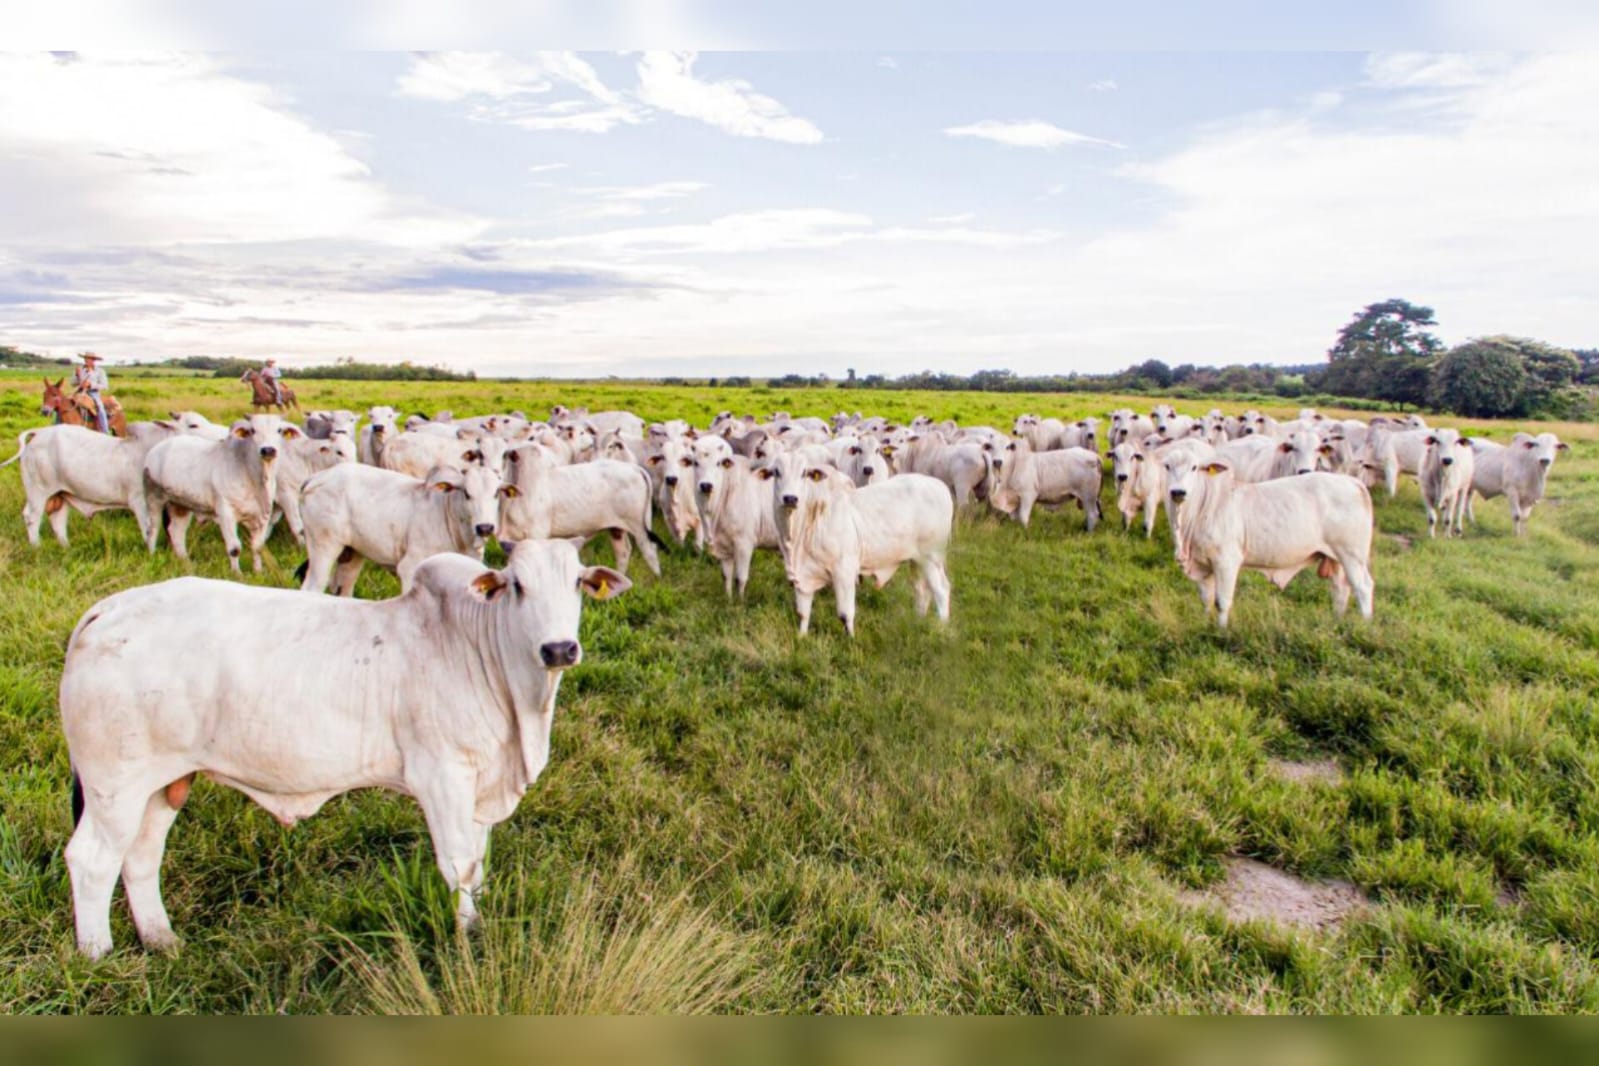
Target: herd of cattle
{"points": [[168, 680]]}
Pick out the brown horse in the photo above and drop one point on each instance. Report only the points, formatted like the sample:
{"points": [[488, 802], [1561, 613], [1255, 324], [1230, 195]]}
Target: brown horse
{"points": [[78, 409], [261, 392]]}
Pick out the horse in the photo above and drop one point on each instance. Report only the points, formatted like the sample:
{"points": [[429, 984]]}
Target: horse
{"points": [[77, 409], [261, 392]]}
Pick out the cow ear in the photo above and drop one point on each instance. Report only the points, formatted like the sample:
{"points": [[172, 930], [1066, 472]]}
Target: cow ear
{"points": [[489, 584], [654, 459], [765, 473], [1562, 447], [473, 456], [290, 433], [324, 449], [726, 464], [443, 486], [164, 424], [510, 492], [1215, 468], [175, 415], [603, 583], [1431, 439], [1285, 447], [242, 431]]}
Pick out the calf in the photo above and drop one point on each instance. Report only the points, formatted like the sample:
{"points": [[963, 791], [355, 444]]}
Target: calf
{"points": [[297, 462], [233, 481], [446, 693], [543, 499], [736, 511], [380, 427], [1519, 472], [1026, 477], [839, 532], [1446, 474], [1278, 527], [357, 514], [1140, 484]]}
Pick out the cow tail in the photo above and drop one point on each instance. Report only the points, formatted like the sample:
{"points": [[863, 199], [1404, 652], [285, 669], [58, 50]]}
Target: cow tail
{"points": [[649, 509], [77, 799], [23, 440], [303, 569]]}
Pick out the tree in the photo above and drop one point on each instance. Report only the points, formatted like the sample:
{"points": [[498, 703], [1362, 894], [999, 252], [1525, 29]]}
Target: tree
{"points": [[1482, 378], [1155, 372], [1589, 360], [1384, 353]]}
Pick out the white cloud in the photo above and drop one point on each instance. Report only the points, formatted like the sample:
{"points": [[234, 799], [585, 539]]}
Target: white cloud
{"points": [[511, 90], [545, 168], [174, 148], [951, 220], [457, 75], [1103, 85], [888, 62], [1433, 70], [1024, 133], [667, 82]]}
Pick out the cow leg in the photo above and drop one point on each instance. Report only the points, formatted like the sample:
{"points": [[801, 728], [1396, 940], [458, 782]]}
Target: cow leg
{"points": [[319, 561], [1432, 520], [345, 574], [1471, 507], [459, 843], [1207, 593], [228, 525], [1150, 506], [728, 571], [259, 531], [802, 606], [94, 856], [141, 874], [148, 527], [938, 580], [58, 519], [1024, 508], [920, 589], [621, 549], [741, 563], [1358, 573], [33, 513], [646, 548], [844, 582], [1391, 477], [1340, 590], [178, 519], [1225, 576], [1091, 513]]}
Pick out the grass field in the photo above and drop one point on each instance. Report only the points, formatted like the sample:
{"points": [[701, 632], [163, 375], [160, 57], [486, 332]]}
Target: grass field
{"points": [[999, 816]]}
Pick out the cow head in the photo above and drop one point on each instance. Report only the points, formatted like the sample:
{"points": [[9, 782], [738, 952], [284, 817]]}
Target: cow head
{"points": [[1187, 476], [473, 496], [268, 434]]}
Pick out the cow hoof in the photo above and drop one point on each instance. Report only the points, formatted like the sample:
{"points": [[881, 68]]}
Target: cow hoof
{"points": [[94, 950], [164, 942]]}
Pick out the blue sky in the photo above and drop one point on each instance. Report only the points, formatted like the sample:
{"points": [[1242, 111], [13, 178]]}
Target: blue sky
{"points": [[759, 212]]}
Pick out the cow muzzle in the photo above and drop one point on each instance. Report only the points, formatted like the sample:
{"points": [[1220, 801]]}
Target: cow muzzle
{"points": [[559, 654], [269, 452], [484, 529], [705, 488], [790, 502], [1448, 462], [671, 482], [1545, 463], [1178, 495], [1121, 477]]}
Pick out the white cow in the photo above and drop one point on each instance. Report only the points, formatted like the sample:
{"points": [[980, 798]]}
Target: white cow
{"points": [[356, 514], [1446, 475], [1390, 452], [379, 428], [966, 468], [414, 454], [736, 510], [671, 468], [1278, 527], [1518, 471], [543, 499], [446, 693], [232, 481], [1026, 477], [839, 532], [70, 466], [1140, 484], [298, 460]]}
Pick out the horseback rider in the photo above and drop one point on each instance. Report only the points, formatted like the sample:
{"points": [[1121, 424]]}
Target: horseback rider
{"points": [[271, 375], [90, 379]]}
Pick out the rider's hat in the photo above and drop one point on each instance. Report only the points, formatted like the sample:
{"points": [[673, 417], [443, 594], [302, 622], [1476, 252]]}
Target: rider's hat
{"points": [[89, 357]]}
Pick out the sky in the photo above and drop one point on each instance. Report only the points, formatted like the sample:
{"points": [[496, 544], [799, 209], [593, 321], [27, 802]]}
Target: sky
{"points": [[653, 213]]}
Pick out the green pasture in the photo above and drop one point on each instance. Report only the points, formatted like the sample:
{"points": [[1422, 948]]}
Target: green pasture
{"points": [[997, 816]]}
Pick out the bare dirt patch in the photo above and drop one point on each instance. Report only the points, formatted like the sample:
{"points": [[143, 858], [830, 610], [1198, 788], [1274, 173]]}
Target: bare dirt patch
{"points": [[1253, 891], [1313, 772]]}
